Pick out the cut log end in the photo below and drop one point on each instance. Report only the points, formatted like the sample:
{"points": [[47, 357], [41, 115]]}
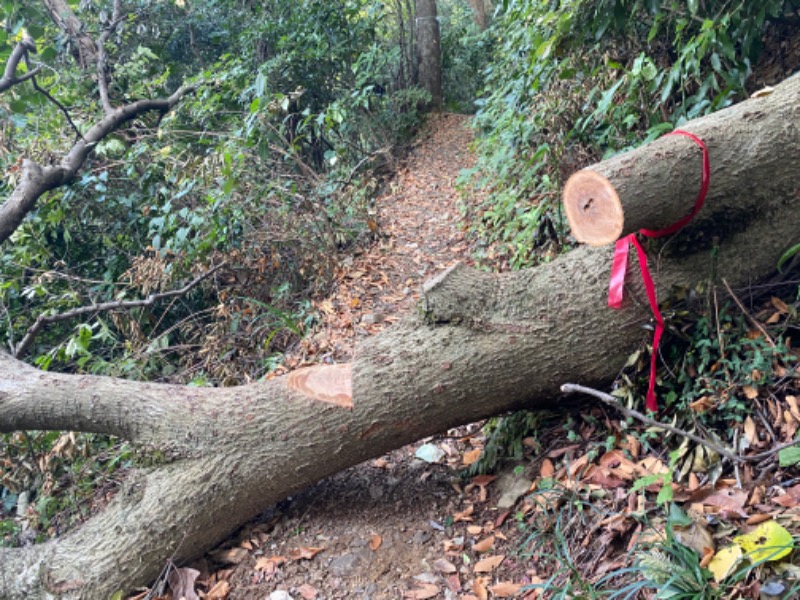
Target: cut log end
{"points": [[593, 208], [327, 383]]}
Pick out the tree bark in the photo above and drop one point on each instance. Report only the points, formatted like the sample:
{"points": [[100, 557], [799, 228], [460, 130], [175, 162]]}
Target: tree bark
{"points": [[479, 13], [749, 145], [482, 344], [85, 50], [429, 52]]}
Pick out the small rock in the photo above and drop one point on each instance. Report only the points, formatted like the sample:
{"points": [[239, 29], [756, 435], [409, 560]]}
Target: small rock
{"points": [[511, 487], [421, 537], [372, 318], [346, 564], [280, 595]]}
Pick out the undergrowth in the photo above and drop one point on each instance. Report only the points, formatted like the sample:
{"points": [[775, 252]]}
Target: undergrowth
{"points": [[574, 81]]}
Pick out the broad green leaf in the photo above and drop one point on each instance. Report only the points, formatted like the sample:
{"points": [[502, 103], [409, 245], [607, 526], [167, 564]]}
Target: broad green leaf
{"points": [[789, 456]]}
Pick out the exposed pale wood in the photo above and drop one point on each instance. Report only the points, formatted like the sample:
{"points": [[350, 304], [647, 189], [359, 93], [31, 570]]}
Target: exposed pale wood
{"points": [[593, 208], [326, 383]]}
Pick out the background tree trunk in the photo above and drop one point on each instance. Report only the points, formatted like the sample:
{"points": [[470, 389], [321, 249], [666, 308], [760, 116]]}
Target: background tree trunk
{"points": [[483, 343], [429, 52], [479, 13]]}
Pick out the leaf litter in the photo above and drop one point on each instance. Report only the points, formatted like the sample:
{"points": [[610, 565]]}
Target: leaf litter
{"points": [[401, 527]]}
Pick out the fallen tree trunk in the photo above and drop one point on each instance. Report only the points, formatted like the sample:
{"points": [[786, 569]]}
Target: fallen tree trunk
{"points": [[483, 344], [751, 145]]}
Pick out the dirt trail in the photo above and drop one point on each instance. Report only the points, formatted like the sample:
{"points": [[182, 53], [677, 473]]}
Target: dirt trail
{"points": [[383, 524], [419, 236]]}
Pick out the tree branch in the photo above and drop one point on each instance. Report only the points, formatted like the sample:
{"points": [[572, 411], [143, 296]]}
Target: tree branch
{"points": [[10, 78], [635, 414], [36, 180], [102, 76], [43, 320]]}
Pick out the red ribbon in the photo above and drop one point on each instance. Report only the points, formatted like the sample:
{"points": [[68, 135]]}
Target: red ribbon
{"points": [[620, 265]]}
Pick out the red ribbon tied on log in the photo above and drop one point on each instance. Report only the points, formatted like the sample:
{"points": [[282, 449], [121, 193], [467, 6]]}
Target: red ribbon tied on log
{"points": [[620, 264]]}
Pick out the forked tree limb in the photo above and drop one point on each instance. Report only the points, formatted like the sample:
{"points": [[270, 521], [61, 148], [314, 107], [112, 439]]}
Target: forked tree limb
{"points": [[36, 179], [481, 344], [656, 185], [43, 321]]}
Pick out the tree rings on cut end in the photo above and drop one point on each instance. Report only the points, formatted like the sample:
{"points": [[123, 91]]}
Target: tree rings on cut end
{"points": [[327, 383], [593, 208]]}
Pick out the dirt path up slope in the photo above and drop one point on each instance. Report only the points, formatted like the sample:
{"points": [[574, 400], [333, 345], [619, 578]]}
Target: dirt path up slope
{"points": [[419, 236]]}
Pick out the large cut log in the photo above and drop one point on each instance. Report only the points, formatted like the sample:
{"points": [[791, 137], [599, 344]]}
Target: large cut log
{"points": [[753, 147], [482, 344]]}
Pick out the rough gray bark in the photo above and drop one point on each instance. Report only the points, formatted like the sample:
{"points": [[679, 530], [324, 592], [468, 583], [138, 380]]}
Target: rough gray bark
{"points": [[429, 52], [85, 50], [483, 343]]}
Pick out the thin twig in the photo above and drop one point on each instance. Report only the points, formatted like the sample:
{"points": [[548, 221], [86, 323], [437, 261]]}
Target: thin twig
{"points": [[60, 106], [44, 320], [748, 316], [634, 414]]}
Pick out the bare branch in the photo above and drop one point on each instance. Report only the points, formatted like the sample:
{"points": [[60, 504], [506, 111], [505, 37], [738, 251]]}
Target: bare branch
{"points": [[102, 61], [60, 106], [43, 320], [635, 414], [37, 179], [10, 78]]}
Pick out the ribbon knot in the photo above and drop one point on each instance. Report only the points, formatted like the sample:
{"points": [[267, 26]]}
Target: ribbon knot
{"points": [[620, 265]]}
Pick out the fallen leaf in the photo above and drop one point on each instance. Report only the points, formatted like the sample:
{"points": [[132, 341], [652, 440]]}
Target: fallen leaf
{"points": [[484, 545], [181, 582], [750, 392], [231, 556], [479, 587], [547, 469], [474, 529], [724, 562], [425, 591], [375, 541], [464, 515], [767, 542], [488, 564], [444, 566], [219, 591], [750, 431], [308, 592], [471, 457], [269, 564], [505, 589], [304, 553]]}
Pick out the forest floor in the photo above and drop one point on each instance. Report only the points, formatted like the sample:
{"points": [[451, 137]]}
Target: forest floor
{"points": [[569, 512], [397, 526]]}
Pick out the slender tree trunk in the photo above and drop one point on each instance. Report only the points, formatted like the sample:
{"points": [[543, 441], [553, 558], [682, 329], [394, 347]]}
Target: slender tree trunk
{"points": [[85, 51], [479, 13], [429, 52], [481, 344]]}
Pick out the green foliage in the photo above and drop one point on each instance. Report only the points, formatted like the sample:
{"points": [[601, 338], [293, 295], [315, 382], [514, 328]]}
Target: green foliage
{"points": [[576, 80], [67, 472], [465, 54], [504, 440]]}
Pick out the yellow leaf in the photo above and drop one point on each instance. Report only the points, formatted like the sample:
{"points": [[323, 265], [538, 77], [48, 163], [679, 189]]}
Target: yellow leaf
{"points": [[769, 541], [724, 562]]}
